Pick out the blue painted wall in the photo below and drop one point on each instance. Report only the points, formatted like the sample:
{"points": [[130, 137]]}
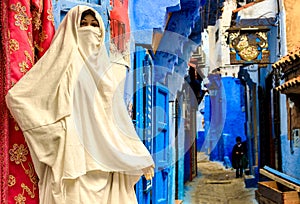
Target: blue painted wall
{"points": [[187, 163], [180, 179], [180, 153], [290, 161], [236, 115], [181, 35], [290, 153], [200, 140], [148, 15], [178, 42], [141, 111], [234, 120], [207, 118]]}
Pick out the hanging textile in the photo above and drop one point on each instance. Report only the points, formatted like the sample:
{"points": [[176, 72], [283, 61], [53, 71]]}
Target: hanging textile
{"points": [[3, 110], [29, 33]]}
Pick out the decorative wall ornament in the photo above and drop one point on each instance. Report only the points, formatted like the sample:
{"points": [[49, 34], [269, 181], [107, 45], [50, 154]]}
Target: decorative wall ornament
{"points": [[248, 45]]}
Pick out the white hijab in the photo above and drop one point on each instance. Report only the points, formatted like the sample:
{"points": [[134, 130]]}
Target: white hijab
{"points": [[76, 79]]}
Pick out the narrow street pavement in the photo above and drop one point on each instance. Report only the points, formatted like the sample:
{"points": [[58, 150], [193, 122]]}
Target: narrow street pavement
{"points": [[217, 185]]}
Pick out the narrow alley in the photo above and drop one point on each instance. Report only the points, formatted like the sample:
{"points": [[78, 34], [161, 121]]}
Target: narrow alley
{"points": [[217, 185], [149, 102]]}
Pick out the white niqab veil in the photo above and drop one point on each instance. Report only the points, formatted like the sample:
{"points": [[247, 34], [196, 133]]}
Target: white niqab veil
{"points": [[89, 40]]}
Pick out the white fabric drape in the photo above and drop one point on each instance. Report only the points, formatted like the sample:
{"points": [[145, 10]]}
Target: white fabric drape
{"points": [[70, 107]]}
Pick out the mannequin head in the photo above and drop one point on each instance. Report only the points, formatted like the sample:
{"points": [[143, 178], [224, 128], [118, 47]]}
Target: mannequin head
{"points": [[88, 18]]}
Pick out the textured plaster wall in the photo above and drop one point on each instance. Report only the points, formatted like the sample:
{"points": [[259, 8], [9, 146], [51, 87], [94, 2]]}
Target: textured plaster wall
{"points": [[212, 57], [290, 161], [235, 117], [176, 45], [224, 24], [120, 12], [148, 15], [264, 9], [290, 153], [292, 8], [234, 121]]}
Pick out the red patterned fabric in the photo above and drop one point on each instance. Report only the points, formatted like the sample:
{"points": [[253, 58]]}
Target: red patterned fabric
{"points": [[4, 65], [30, 30], [120, 27]]}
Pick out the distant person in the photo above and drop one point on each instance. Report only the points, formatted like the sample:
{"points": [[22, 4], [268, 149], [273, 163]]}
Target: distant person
{"points": [[239, 157]]}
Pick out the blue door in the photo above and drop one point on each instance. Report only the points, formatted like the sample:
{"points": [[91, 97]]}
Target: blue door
{"points": [[152, 125], [143, 112], [161, 151]]}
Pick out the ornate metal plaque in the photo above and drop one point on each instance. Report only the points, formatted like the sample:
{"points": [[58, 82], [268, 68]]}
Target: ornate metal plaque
{"points": [[248, 45]]}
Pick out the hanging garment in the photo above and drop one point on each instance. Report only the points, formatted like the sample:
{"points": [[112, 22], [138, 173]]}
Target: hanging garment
{"points": [[70, 108], [27, 29]]}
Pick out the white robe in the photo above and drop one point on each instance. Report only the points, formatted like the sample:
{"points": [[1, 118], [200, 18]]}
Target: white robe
{"points": [[83, 144]]}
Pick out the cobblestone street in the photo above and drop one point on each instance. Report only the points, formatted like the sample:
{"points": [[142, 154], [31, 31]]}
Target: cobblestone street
{"points": [[217, 185]]}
